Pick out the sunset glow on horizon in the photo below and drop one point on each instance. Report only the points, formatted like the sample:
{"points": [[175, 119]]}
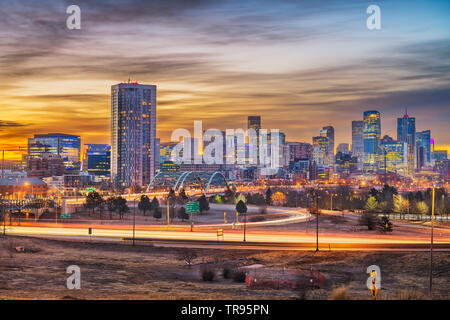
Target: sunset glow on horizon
{"points": [[301, 66]]}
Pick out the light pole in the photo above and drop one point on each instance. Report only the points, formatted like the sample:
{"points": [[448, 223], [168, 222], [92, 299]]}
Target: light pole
{"points": [[168, 212], [431, 243], [245, 223], [134, 219], [331, 205], [317, 222], [4, 219]]}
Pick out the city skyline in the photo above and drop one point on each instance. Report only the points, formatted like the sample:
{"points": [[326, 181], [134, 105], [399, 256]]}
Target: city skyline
{"points": [[283, 70]]}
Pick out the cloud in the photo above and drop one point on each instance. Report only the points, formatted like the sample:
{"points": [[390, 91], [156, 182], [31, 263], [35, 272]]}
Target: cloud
{"points": [[299, 64]]}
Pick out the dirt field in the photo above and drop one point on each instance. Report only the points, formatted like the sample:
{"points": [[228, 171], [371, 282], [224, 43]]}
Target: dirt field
{"points": [[113, 271]]}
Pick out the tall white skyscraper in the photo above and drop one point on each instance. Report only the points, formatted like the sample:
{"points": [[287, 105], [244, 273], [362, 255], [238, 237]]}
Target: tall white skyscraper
{"points": [[133, 134]]}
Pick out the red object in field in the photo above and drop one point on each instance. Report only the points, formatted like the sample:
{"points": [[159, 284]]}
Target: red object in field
{"points": [[290, 279]]}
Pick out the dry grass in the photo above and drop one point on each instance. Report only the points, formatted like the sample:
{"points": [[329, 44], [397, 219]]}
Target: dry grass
{"points": [[410, 294], [120, 271], [340, 293]]}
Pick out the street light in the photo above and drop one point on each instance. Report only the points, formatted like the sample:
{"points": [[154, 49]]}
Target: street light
{"points": [[134, 218], [317, 222], [431, 241]]}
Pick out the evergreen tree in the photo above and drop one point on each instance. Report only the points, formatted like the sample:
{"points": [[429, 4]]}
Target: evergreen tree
{"points": [[269, 196]]}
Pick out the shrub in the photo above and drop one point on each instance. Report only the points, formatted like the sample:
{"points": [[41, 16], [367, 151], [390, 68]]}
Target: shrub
{"points": [[369, 220], [208, 273], [340, 293], [226, 273], [239, 276], [182, 215], [188, 256], [157, 214], [410, 294]]}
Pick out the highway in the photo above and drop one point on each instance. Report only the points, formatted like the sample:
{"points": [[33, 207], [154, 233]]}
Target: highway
{"points": [[260, 239]]}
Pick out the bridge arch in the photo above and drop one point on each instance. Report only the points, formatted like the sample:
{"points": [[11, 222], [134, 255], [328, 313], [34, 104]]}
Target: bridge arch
{"points": [[191, 179]]}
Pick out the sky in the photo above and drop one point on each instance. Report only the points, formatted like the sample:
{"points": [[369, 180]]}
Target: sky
{"points": [[301, 65]]}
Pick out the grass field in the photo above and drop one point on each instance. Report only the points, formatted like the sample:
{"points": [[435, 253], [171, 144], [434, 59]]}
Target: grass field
{"points": [[116, 271]]}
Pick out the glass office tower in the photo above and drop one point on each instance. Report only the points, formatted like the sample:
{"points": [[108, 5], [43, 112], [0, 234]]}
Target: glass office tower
{"points": [[320, 150], [396, 157], [98, 159], [64, 145], [328, 132], [371, 139], [357, 141], [423, 144], [133, 134], [406, 132]]}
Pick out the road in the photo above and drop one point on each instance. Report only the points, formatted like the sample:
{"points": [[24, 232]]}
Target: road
{"points": [[233, 238]]}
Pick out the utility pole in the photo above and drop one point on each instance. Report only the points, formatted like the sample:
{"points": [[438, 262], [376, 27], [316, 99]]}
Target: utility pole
{"points": [[4, 219], [331, 205], [134, 220], [317, 222], [431, 243], [245, 222], [167, 211], [385, 167]]}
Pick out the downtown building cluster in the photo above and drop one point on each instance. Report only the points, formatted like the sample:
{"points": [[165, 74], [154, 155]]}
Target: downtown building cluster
{"points": [[135, 154]]}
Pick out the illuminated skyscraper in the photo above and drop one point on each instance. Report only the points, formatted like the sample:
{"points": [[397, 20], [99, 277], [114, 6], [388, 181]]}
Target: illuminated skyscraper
{"points": [[328, 132], [66, 146], [320, 150], [299, 150], [396, 157], [423, 144], [406, 132], [357, 141], [371, 139], [254, 122], [133, 134], [98, 159]]}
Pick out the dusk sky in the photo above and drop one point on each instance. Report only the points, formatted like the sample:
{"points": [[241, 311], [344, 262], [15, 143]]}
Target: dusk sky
{"points": [[300, 65]]}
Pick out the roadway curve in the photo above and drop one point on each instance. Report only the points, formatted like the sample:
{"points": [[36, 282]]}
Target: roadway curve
{"points": [[234, 239]]}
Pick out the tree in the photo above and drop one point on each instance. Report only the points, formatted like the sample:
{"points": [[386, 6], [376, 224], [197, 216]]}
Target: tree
{"points": [[384, 224], [240, 197], [182, 215], [155, 203], [383, 207], [188, 256], [418, 196], [93, 200], [157, 214], [368, 219], [111, 205], [256, 198], [278, 198], [401, 205], [144, 204], [371, 204], [241, 207], [269, 196], [121, 206], [203, 204], [171, 195], [421, 208], [183, 196]]}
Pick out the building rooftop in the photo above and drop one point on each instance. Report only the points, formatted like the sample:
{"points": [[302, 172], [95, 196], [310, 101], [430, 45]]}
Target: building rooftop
{"points": [[21, 182]]}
